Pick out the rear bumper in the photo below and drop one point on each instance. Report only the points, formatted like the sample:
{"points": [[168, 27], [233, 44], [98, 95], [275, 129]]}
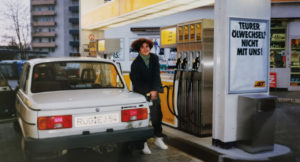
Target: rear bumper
{"points": [[68, 142]]}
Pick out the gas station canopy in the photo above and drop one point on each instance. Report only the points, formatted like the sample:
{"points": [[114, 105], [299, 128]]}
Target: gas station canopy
{"points": [[122, 12]]}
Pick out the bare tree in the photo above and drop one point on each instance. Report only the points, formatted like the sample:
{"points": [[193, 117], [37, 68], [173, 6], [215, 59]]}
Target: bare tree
{"points": [[17, 16]]}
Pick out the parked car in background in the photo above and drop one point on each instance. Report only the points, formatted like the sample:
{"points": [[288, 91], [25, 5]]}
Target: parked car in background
{"points": [[11, 69], [7, 98], [67, 103]]}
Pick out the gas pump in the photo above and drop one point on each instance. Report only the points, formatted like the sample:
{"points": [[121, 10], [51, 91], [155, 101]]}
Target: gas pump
{"points": [[192, 83]]}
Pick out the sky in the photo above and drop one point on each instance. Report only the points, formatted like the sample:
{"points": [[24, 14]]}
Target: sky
{"points": [[4, 20]]}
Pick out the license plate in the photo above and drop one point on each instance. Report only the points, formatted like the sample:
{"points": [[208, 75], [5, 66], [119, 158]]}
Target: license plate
{"points": [[97, 120]]}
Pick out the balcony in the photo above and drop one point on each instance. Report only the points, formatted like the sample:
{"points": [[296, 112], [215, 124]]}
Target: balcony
{"points": [[44, 45], [44, 34], [43, 13], [42, 2], [74, 31], [74, 20], [74, 43], [39, 24], [74, 8]]}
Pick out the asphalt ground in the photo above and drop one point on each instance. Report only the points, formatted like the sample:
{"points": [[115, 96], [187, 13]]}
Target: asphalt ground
{"points": [[10, 151], [287, 133], [287, 130]]}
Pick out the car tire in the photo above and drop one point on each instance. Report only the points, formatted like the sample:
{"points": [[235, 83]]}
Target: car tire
{"points": [[130, 146], [17, 126]]}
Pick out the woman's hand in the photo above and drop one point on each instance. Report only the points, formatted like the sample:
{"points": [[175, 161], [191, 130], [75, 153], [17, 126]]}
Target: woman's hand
{"points": [[153, 95]]}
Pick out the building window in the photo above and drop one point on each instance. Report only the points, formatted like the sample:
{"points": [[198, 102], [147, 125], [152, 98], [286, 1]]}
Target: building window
{"points": [[75, 49], [75, 25], [51, 8], [75, 37], [51, 29], [51, 39]]}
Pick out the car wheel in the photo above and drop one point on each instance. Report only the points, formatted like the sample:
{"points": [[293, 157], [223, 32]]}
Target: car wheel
{"points": [[130, 146], [17, 126]]}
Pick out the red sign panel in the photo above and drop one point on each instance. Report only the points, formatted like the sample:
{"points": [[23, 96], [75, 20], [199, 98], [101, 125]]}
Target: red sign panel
{"points": [[273, 80]]}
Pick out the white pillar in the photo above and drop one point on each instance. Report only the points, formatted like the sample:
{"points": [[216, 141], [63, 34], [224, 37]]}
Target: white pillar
{"points": [[225, 104]]}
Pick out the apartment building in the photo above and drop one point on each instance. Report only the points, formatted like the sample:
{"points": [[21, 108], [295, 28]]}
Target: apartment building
{"points": [[55, 27]]}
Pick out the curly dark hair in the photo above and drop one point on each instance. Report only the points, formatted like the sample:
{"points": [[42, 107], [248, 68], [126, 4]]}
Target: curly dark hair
{"points": [[137, 44]]}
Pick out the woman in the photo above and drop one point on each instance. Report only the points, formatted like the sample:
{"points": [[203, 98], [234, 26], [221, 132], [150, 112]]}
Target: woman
{"points": [[145, 77]]}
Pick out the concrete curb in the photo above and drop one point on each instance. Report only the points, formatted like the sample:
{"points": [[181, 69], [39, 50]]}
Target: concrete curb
{"points": [[288, 100], [193, 149], [208, 154], [7, 120]]}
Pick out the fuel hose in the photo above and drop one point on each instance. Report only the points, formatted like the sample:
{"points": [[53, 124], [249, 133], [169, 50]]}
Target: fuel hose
{"points": [[171, 111]]}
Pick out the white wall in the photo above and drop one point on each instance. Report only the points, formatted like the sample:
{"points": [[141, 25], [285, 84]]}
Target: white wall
{"points": [[294, 27], [59, 30], [224, 104], [124, 31], [92, 4], [285, 10]]}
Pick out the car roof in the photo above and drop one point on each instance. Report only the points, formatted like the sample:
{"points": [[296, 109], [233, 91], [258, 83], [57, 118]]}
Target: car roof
{"points": [[57, 59]]}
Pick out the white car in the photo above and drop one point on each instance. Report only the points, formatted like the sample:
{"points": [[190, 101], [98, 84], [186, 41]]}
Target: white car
{"points": [[67, 103]]}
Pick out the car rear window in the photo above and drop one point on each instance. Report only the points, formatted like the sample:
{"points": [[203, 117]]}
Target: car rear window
{"points": [[65, 75]]}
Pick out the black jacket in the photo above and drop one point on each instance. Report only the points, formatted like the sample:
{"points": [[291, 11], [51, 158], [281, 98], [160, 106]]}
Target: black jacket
{"points": [[145, 79]]}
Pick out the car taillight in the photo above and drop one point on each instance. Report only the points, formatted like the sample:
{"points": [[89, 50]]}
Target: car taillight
{"points": [[54, 122], [134, 114]]}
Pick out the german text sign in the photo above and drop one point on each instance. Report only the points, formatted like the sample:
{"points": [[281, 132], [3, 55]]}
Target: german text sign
{"points": [[248, 55]]}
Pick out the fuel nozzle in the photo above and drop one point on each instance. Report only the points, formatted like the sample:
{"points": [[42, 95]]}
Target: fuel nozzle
{"points": [[148, 97], [184, 63], [178, 63], [196, 63]]}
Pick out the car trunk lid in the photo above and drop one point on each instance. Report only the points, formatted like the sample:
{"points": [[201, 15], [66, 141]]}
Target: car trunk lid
{"points": [[74, 99]]}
